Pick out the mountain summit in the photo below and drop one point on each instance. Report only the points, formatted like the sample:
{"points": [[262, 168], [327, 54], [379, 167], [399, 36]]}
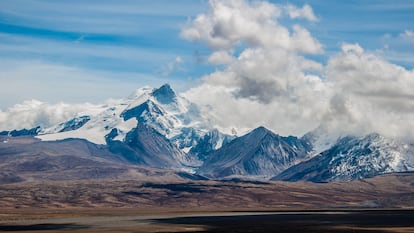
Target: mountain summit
{"points": [[260, 153], [164, 94]]}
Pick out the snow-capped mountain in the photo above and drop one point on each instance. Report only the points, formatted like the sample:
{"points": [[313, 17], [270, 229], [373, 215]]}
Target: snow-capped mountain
{"points": [[102, 119], [321, 139], [161, 108], [260, 154], [169, 114], [211, 141], [353, 158], [158, 128], [69, 125]]}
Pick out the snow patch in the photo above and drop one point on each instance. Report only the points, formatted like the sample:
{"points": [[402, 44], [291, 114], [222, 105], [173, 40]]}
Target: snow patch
{"points": [[125, 127], [94, 135]]}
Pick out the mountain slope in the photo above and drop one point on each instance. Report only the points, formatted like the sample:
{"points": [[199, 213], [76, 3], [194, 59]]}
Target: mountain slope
{"points": [[70, 159], [354, 158], [210, 142], [145, 146], [69, 125], [173, 116], [161, 108], [260, 153], [25, 158], [157, 128]]}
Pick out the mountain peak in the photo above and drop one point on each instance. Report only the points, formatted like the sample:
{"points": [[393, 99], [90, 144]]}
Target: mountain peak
{"points": [[261, 130], [260, 153], [164, 94]]}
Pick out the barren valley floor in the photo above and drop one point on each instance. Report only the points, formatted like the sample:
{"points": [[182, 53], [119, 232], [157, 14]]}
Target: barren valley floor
{"points": [[381, 204]]}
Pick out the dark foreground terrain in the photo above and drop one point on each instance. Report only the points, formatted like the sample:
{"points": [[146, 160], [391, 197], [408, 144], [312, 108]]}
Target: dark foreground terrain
{"points": [[387, 191], [220, 222], [319, 221], [380, 204]]}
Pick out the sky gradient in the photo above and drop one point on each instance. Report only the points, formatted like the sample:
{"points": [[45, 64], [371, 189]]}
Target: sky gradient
{"points": [[291, 66], [107, 49]]}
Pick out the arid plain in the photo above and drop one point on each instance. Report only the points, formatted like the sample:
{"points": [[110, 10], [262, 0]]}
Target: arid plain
{"points": [[381, 204]]}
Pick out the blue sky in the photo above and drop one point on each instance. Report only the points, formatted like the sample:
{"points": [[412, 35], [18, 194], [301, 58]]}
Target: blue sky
{"points": [[78, 51]]}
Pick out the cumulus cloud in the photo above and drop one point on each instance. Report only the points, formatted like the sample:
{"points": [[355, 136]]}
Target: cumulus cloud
{"points": [[271, 82], [229, 23], [286, 114], [33, 113], [371, 93], [220, 57], [306, 12]]}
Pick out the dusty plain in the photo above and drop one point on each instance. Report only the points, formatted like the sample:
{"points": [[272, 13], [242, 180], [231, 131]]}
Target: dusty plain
{"points": [[380, 204]]}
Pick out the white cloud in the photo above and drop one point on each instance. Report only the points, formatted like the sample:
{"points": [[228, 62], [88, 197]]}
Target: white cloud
{"points": [[267, 82], [171, 67], [32, 113], [398, 48], [352, 49], [270, 83], [229, 23], [371, 94], [303, 41], [305, 12], [220, 57], [286, 115], [407, 35]]}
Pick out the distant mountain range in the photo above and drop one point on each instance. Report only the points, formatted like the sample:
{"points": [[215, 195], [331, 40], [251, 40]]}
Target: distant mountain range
{"points": [[158, 129], [260, 153]]}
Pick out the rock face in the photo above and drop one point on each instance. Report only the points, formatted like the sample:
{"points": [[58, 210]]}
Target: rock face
{"points": [[170, 115], [165, 94], [21, 132], [261, 153], [210, 142], [72, 124], [145, 146], [157, 128], [353, 158]]}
